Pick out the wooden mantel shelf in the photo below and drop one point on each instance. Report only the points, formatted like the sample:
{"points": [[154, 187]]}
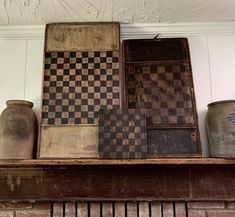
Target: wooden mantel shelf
{"points": [[83, 162], [93, 179]]}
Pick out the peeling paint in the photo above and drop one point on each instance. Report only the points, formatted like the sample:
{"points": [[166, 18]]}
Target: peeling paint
{"points": [[131, 11]]}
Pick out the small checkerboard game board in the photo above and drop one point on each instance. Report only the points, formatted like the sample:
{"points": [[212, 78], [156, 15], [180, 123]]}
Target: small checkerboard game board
{"points": [[122, 134]]}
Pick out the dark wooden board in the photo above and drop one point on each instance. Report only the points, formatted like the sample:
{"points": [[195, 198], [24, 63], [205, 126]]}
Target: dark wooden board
{"points": [[158, 78], [156, 50], [133, 182], [160, 142]]}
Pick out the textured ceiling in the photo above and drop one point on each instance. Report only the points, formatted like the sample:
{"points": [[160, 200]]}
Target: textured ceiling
{"points": [[130, 11]]}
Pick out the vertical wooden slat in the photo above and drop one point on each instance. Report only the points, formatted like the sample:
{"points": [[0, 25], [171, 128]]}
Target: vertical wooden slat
{"points": [[107, 210], [82, 209], [94, 209], [168, 209], [180, 210], [156, 210], [119, 209], [70, 210], [131, 209], [143, 209], [58, 209]]}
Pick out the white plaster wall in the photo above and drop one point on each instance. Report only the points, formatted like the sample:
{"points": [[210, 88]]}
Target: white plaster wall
{"points": [[212, 58], [130, 11]]}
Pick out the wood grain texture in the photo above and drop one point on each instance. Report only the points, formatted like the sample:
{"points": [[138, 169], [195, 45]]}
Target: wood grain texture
{"points": [[95, 209], [156, 209], [215, 182], [58, 209], [117, 182], [132, 209], [82, 36], [144, 209], [70, 209], [80, 141], [120, 209], [82, 209], [180, 209], [83, 162], [168, 210], [107, 210]]}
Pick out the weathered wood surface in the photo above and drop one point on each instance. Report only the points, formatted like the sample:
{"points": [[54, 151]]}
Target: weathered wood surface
{"points": [[70, 209], [95, 209], [132, 210], [107, 210], [167, 209], [115, 182], [58, 209], [82, 209], [158, 78], [142, 50], [120, 209], [78, 141], [82, 36], [156, 209], [83, 162], [144, 209], [180, 209]]}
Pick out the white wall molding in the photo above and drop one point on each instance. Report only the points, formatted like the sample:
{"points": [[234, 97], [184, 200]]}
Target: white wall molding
{"points": [[128, 31], [176, 29], [23, 32]]}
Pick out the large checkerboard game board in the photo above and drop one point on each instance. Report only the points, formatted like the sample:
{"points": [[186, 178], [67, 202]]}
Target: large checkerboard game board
{"points": [[158, 78], [81, 76], [78, 84]]}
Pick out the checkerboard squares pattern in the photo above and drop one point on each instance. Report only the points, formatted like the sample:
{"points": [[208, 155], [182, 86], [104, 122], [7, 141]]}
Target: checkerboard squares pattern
{"points": [[122, 134], [164, 90], [78, 84]]}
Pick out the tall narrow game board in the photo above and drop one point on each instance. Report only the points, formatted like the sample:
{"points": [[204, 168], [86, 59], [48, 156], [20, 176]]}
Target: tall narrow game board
{"points": [[158, 78], [81, 76]]}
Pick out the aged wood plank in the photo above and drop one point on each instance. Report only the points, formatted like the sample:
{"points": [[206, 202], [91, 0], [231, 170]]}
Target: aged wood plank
{"points": [[107, 210], [78, 162], [58, 210], [80, 141], [70, 209], [88, 182], [82, 36], [180, 209], [145, 50], [156, 209], [95, 209], [119, 209], [82, 209], [168, 209], [130, 182], [132, 209], [143, 209], [214, 182]]}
